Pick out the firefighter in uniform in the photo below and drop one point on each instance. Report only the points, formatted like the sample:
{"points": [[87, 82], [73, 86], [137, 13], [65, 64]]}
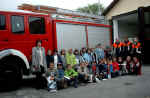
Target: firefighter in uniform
{"points": [[136, 49], [117, 48], [127, 47]]}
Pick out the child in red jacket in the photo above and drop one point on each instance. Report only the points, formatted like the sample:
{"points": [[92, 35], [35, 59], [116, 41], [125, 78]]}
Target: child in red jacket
{"points": [[115, 67]]}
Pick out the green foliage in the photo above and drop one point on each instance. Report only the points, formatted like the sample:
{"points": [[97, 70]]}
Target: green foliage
{"points": [[92, 9]]}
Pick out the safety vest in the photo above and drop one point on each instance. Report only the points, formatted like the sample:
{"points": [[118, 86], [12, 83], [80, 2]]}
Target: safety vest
{"points": [[117, 45], [127, 44], [136, 45]]}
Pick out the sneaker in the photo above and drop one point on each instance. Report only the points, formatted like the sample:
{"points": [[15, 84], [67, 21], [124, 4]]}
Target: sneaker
{"points": [[75, 86], [90, 81], [97, 80], [83, 84]]}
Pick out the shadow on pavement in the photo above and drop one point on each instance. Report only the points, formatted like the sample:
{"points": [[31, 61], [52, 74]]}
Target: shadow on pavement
{"points": [[7, 86]]}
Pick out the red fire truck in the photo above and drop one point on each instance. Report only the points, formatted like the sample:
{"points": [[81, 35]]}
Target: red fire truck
{"points": [[19, 32]]}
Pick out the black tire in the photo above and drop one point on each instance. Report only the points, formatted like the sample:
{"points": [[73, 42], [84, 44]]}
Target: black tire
{"points": [[10, 75]]}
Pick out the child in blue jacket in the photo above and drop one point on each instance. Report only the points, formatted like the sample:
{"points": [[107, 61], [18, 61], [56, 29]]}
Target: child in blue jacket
{"points": [[61, 81]]}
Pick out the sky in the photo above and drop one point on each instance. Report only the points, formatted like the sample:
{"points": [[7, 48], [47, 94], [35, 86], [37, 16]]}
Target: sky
{"points": [[70, 4], [65, 4]]}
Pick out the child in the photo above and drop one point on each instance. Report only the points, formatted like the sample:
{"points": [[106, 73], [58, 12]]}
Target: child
{"points": [[137, 66], [70, 58], [128, 64], [122, 66], [61, 81], [57, 58], [108, 52], [83, 73], [95, 76], [76, 53], [105, 68], [49, 58], [120, 62], [100, 67], [71, 75], [51, 76], [115, 67], [63, 57], [88, 58], [110, 68], [93, 71]]}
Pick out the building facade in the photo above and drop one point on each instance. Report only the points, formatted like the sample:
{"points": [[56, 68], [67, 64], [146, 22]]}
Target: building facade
{"points": [[130, 19]]}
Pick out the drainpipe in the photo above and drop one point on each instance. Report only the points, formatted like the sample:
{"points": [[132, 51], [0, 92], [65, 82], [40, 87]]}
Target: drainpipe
{"points": [[115, 29]]}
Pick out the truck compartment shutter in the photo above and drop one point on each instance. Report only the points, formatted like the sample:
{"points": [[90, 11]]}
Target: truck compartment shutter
{"points": [[70, 36], [98, 35]]}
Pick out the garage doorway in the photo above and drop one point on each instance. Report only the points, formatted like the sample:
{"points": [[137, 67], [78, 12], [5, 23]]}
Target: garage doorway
{"points": [[127, 25]]}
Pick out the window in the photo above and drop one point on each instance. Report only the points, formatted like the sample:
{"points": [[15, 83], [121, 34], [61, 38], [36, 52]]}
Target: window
{"points": [[36, 25], [17, 24], [2, 22]]}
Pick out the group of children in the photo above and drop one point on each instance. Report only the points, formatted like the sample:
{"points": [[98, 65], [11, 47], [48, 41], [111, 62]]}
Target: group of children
{"points": [[88, 65]]}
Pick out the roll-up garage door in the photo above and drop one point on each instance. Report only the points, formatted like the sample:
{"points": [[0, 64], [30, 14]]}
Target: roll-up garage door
{"points": [[70, 36], [98, 35]]}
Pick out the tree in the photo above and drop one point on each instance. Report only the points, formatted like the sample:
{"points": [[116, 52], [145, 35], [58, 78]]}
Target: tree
{"points": [[92, 9]]}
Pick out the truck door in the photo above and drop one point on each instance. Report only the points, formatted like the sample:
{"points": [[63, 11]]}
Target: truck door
{"points": [[3, 30], [18, 35], [26, 29], [144, 24], [40, 28]]}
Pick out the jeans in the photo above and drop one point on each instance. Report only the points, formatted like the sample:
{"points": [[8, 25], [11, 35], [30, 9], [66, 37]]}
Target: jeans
{"points": [[83, 78], [74, 80]]}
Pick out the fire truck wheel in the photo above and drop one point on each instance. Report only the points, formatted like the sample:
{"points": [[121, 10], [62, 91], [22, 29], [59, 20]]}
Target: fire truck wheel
{"points": [[10, 75]]}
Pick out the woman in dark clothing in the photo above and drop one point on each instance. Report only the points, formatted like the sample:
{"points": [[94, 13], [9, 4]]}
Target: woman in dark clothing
{"points": [[49, 58]]}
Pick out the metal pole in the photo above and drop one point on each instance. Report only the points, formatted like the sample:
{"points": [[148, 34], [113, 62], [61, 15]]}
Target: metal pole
{"points": [[99, 12]]}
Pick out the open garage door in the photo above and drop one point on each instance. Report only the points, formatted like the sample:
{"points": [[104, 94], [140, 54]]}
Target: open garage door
{"points": [[128, 25], [70, 36], [98, 35]]}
